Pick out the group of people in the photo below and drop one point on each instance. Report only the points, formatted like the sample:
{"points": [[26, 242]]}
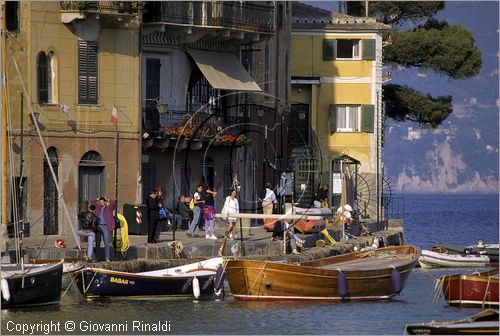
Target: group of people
{"points": [[96, 221], [203, 202]]}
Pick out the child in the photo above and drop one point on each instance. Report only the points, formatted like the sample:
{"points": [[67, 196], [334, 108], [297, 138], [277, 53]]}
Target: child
{"points": [[209, 216]]}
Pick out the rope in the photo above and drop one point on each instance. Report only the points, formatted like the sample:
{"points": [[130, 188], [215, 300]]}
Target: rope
{"points": [[438, 289], [486, 292], [124, 239], [177, 248], [257, 278]]}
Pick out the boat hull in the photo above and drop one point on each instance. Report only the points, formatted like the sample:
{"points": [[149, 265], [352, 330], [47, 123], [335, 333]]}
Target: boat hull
{"points": [[473, 328], [331, 279], [483, 323], [431, 259], [41, 285], [471, 290], [93, 282]]}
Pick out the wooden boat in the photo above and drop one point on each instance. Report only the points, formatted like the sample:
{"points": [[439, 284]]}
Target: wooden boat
{"points": [[483, 323], [33, 285], [70, 265], [431, 259], [360, 276], [192, 280], [490, 250], [470, 290]]}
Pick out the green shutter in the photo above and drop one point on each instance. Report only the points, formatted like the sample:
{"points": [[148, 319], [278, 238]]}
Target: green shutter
{"points": [[332, 122], [367, 118], [329, 49], [368, 49]]}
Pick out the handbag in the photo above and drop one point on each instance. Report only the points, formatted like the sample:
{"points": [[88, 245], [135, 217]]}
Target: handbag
{"points": [[163, 213], [191, 203]]}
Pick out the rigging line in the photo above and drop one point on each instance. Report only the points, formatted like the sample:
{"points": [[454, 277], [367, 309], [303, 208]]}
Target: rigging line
{"points": [[12, 184], [49, 161]]}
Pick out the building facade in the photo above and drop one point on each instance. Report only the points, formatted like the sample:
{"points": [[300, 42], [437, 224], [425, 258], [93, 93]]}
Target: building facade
{"points": [[336, 115], [215, 89], [72, 66]]}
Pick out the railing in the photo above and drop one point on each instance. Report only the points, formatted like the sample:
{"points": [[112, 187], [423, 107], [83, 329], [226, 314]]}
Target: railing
{"points": [[201, 125], [130, 7], [252, 16]]}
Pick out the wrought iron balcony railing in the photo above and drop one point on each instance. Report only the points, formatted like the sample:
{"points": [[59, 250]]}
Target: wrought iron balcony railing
{"points": [[201, 125], [127, 7], [249, 16]]}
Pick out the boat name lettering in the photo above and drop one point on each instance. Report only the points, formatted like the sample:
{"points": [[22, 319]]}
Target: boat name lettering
{"points": [[121, 281]]}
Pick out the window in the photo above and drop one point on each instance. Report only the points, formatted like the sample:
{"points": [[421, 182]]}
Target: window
{"points": [[347, 118], [87, 72], [348, 49], [43, 77], [12, 15], [352, 118], [46, 77]]}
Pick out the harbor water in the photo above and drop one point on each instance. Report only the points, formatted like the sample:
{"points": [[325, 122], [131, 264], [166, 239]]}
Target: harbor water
{"points": [[429, 219]]}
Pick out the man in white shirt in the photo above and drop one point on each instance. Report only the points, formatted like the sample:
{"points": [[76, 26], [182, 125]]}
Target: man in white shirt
{"points": [[269, 200]]}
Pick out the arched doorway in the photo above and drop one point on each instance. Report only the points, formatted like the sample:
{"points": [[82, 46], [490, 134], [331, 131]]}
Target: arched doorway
{"points": [[50, 195], [91, 177]]}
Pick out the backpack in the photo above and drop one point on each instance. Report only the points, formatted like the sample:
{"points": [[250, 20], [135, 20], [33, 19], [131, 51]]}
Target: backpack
{"points": [[191, 203]]}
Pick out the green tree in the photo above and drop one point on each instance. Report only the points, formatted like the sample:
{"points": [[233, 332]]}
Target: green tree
{"points": [[430, 46]]}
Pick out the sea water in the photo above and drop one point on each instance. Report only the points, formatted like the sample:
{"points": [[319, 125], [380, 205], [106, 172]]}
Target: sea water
{"points": [[428, 220]]}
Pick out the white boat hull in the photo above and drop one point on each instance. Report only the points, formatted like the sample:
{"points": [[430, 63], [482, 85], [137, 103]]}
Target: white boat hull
{"points": [[430, 259]]}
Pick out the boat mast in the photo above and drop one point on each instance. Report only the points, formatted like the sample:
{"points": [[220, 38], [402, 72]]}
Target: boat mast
{"points": [[3, 122]]}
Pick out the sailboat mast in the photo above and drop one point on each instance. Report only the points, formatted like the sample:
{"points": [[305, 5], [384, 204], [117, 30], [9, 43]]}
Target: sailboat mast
{"points": [[3, 122]]}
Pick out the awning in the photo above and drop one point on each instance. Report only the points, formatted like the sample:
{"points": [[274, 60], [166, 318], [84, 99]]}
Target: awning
{"points": [[223, 71]]}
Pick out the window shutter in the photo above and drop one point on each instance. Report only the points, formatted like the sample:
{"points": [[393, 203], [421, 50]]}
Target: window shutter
{"points": [[43, 90], [332, 122], [367, 118], [87, 72], [92, 71], [368, 49], [329, 49]]}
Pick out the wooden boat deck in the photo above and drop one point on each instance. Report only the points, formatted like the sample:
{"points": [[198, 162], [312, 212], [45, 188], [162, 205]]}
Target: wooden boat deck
{"points": [[371, 261]]}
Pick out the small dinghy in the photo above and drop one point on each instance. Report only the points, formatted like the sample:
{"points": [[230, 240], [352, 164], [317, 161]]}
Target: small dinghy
{"points": [[432, 259]]}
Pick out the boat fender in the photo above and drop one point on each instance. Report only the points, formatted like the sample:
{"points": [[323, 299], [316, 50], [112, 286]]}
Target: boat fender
{"points": [[396, 280], [196, 287], [219, 278], [342, 284], [5, 290]]}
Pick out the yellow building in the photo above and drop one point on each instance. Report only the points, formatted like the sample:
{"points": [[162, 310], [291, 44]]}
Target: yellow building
{"points": [[335, 121], [70, 65]]}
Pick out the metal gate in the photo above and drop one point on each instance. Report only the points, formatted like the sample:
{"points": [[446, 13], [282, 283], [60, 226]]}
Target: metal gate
{"points": [[306, 174], [50, 195]]}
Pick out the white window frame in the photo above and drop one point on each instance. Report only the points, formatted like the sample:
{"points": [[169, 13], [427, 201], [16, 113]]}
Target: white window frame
{"points": [[347, 116], [356, 49]]}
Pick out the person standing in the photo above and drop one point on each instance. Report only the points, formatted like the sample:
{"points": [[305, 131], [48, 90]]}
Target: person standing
{"points": [[153, 205], [87, 225], [104, 208], [268, 200], [184, 211], [231, 206], [197, 210], [209, 213]]}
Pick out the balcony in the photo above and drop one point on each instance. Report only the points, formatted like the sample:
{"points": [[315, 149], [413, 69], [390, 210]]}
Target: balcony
{"points": [[256, 17], [176, 128], [104, 11]]}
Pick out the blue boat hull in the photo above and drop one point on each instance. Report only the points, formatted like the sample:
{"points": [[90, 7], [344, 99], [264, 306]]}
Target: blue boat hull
{"points": [[105, 283]]}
